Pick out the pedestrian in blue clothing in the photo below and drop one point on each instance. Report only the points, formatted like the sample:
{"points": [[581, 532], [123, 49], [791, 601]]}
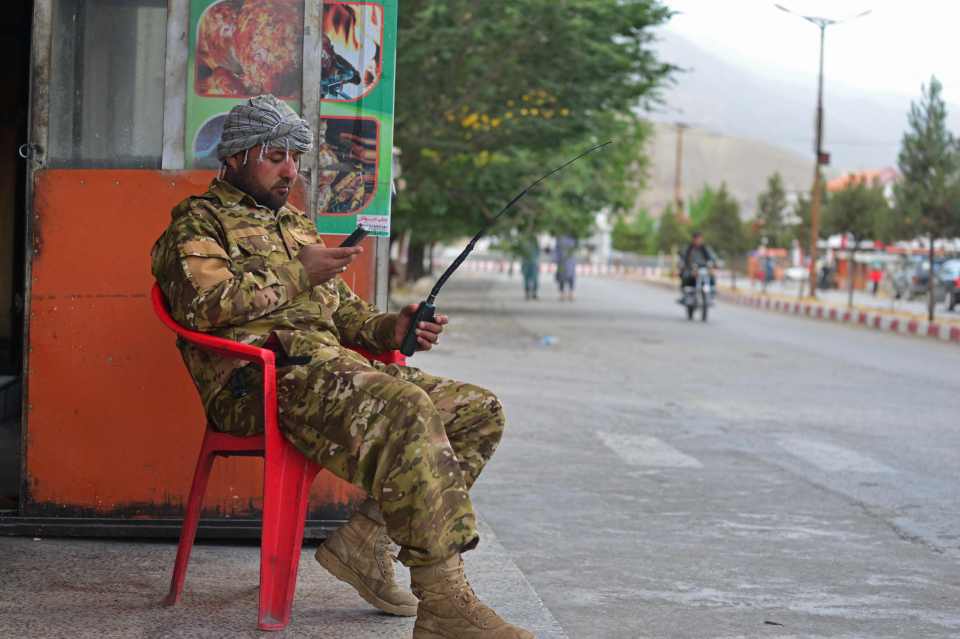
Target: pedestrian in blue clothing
{"points": [[566, 259], [530, 266]]}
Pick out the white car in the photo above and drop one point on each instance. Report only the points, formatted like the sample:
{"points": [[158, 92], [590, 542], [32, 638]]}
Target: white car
{"points": [[795, 274]]}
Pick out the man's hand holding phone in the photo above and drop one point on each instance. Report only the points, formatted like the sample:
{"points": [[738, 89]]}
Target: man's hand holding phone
{"points": [[323, 264]]}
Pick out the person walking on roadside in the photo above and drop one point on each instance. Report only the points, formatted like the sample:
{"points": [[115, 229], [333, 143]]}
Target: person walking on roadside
{"points": [[530, 266], [239, 262], [566, 259], [876, 275]]}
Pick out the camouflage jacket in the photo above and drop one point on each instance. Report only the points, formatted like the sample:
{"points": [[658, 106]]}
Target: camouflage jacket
{"points": [[229, 267]]}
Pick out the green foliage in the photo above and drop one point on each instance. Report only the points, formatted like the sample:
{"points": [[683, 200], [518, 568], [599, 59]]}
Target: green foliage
{"points": [[771, 205], [858, 210], [928, 195], [491, 95], [722, 227], [801, 210], [672, 234], [701, 205], [637, 235]]}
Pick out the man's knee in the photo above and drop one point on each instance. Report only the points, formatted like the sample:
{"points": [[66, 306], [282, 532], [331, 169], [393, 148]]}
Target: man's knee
{"points": [[484, 412], [498, 419]]}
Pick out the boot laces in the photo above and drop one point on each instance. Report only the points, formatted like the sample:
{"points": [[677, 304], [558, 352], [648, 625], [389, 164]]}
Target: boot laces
{"points": [[474, 609], [381, 550]]}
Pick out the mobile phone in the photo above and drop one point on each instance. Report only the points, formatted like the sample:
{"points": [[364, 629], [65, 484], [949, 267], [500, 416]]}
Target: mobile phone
{"points": [[355, 237]]}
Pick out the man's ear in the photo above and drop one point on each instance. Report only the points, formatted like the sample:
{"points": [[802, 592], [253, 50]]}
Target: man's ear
{"points": [[234, 161]]}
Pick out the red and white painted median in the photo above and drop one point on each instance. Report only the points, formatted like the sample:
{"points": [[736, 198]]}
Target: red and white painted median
{"points": [[872, 319]]}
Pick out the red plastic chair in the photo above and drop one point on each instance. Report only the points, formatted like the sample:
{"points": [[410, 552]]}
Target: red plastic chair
{"points": [[287, 476]]}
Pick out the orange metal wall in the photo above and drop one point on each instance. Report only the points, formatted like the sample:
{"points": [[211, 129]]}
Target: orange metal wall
{"points": [[113, 422]]}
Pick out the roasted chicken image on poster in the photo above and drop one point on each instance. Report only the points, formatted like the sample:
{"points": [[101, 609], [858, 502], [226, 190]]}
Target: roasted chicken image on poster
{"points": [[346, 164], [351, 56], [249, 47]]}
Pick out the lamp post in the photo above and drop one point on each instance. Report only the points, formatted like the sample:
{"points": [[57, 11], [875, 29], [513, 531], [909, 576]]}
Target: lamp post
{"points": [[822, 158]]}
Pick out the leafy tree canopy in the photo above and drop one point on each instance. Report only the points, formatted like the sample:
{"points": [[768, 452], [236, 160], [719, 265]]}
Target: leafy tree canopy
{"points": [[701, 205], [722, 227], [491, 95], [771, 205], [637, 235], [859, 210], [928, 194], [672, 234]]}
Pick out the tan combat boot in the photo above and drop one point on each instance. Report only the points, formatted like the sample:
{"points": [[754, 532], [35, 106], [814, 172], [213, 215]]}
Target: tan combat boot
{"points": [[449, 609], [359, 554]]}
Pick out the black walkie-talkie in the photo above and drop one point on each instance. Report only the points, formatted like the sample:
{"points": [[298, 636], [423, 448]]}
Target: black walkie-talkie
{"points": [[426, 311]]}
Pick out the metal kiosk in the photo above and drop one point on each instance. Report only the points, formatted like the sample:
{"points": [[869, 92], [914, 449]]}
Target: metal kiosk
{"points": [[114, 116]]}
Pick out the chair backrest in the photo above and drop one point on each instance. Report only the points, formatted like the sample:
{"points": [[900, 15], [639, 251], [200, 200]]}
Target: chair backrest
{"points": [[219, 345], [230, 348]]}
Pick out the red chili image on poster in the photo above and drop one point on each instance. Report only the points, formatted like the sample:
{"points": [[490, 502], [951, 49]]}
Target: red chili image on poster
{"points": [[248, 47]]}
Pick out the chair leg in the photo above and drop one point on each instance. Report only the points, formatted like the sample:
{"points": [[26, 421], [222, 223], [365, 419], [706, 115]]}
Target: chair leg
{"points": [[286, 493], [191, 518]]}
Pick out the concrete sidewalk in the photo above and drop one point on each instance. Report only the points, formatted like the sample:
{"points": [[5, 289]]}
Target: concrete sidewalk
{"points": [[53, 588]]}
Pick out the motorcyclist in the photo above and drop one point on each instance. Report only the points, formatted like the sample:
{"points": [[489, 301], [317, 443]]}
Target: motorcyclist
{"points": [[697, 254]]}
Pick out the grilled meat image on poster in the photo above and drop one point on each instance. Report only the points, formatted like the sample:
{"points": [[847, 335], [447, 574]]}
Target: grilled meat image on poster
{"points": [[249, 47], [352, 52], [346, 164]]}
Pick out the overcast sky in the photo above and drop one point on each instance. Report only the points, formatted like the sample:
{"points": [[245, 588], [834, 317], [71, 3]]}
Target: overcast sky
{"points": [[894, 49]]}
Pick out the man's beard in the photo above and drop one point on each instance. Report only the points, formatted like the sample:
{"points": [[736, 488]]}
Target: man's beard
{"points": [[264, 197]]}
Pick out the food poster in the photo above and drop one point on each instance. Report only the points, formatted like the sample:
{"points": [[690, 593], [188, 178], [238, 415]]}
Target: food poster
{"points": [[238, 49], [241, 48], [354, 156]]}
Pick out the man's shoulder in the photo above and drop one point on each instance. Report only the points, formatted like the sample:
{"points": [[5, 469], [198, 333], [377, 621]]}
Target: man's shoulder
{"points": [[193, 212]]}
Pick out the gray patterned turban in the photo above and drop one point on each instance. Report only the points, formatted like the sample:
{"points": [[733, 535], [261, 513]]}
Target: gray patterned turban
{"points": [[263, 120]]}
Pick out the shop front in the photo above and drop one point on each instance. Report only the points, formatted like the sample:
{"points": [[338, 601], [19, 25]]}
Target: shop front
{"points": [[119, 112]]}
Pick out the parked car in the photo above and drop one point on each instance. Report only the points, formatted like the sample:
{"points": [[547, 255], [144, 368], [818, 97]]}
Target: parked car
{"points": [[949, 277], [901, 274], [920, 278]]}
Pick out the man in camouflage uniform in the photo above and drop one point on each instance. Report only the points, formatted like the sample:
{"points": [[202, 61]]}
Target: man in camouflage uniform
{"points": [[239, 262]]}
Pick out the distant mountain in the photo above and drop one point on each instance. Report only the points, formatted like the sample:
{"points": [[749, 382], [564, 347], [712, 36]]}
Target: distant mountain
{"points": [[746, 125], [861, 130], [709, 158]]}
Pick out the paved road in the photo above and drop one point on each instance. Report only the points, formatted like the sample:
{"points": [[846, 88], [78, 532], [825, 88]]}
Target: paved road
{"points": [[755, 476]]}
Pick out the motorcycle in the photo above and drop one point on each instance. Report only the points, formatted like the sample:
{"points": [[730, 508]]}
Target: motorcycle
{"points": [[700, 295]]}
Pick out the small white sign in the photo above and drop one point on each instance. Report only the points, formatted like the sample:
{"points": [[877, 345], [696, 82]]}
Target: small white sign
{"points": [[377, 224]]}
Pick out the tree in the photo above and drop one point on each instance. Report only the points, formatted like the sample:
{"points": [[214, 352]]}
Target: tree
{"points": [[771, 205], [928, 195], [858, 212], [724, 230], [671, 232], [491, 95], [637, 235], [701, 205], [801, 212]]}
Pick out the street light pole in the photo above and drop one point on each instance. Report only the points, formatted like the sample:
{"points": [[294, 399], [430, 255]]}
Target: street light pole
{"points": [[817, 189], [822, 158], [678, 171]]}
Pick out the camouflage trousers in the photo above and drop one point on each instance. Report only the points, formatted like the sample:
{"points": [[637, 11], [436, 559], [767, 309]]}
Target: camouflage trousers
{"points": [[415, 442]]}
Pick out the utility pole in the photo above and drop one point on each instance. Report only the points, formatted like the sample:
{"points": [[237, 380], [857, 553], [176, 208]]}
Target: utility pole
{"points": [[822, 157], [678, 171]]}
